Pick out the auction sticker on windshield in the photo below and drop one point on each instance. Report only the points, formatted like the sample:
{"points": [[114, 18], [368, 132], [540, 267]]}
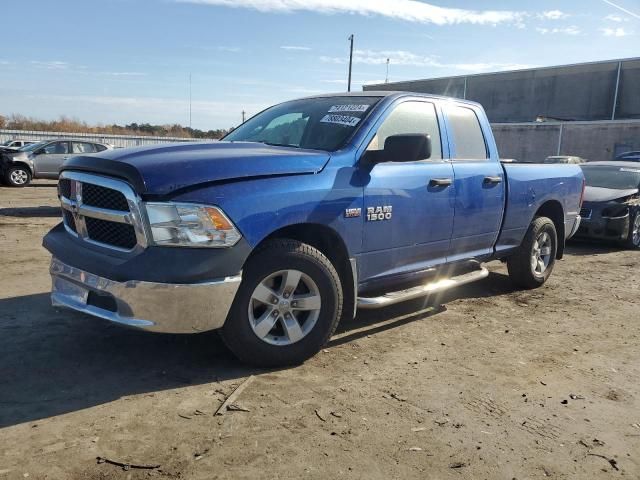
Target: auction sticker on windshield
{"points": [[348, 108], [341, 120]]}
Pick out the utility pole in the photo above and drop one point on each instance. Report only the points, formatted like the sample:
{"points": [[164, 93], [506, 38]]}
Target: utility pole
{"points": [[243, 112], [350, 61], [386, 79], [189, 100]]}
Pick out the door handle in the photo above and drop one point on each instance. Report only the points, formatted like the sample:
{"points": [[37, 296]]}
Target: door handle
{"points": [[492, 180], [440, 182]]}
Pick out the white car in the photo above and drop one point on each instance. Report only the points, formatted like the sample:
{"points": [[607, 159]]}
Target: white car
{"points": [[16, 144]]}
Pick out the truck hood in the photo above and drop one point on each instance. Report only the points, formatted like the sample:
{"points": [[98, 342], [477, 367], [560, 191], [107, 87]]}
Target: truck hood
{"points": [[160, 170], [600, 194]]}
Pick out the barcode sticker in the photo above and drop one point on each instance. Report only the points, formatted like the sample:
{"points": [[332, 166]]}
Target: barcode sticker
{"points": [[348, 108], [341, 120]]}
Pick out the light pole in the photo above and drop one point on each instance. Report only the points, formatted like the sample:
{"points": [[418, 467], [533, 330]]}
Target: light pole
{"points": [[189, 100], [386, 79], [350, 61]]}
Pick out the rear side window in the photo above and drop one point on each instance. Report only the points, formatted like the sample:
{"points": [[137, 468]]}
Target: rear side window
{"points": [[100, 148], [81, 147], [407, 118], [467, 134]]}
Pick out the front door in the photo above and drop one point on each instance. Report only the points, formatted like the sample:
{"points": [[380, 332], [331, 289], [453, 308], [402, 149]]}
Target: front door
{"points": [[408, 215], [49, 159], [479, 185]]}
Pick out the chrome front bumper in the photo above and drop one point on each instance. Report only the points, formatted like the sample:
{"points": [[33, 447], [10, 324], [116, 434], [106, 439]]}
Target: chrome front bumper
{"points": [[158, 307], [576, 225]]}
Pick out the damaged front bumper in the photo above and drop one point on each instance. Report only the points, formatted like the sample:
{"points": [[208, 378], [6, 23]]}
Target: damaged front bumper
{"points": [[158, 307]]}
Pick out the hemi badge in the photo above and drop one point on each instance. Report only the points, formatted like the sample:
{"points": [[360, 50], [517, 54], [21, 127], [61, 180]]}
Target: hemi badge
{"points": [[352, 212]]}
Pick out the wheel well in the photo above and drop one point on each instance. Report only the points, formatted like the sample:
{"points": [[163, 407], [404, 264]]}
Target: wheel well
{"points": [[9, 165], [554, 211], [332, 246]]}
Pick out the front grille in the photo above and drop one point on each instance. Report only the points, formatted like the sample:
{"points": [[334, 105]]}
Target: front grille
{"points": [[101, 210], [585, 213], [117, 234], [69, 220], [102, 197], [64, 188]]}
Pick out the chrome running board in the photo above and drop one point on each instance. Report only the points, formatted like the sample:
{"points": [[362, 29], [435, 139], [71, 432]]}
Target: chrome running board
{"points": [[430, 288]]}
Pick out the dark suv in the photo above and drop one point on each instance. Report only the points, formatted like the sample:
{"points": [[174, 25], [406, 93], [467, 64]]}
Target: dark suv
{"points": [[43, 159]]}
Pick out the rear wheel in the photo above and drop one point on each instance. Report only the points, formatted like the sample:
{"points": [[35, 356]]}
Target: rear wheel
{"points": [[532, 263], [288, 305], [633, 240], [17, 176]]}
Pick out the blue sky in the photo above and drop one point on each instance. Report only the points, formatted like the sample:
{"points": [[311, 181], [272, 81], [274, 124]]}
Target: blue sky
{"points": [[129, 61]]}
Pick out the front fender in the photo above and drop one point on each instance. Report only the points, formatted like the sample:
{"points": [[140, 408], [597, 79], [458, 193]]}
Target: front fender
{"points": [[259, 207]]}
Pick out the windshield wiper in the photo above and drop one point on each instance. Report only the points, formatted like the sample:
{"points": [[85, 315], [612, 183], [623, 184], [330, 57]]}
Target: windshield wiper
{"points": [[272, 144]]}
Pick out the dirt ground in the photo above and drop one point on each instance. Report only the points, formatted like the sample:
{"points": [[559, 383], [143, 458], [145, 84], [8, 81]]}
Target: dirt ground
{"points": [[485, 382]]}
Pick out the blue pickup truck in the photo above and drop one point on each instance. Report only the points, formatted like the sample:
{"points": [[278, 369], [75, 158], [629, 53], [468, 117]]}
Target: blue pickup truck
{"points": [[310, 210]]}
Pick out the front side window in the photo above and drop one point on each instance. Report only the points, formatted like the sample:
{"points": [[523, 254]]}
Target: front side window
{"points": [[410, 118], [323, 123], [57, 148], [467, 133]]}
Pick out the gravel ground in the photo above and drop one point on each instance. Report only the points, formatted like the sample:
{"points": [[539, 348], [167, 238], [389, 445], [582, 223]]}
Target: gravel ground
{"points": [[483, 382]]}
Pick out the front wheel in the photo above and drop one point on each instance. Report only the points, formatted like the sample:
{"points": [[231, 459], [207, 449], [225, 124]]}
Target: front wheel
{"points": [[17, 176], [288, 305], [532, 263]]}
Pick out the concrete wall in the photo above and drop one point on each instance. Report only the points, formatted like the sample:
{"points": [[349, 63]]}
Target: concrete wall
{"points": [[532, 142], [115, 140], [581, 92]]}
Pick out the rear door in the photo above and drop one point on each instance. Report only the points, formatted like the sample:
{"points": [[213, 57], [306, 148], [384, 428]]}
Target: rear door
{"points": [[479, 183], [50, 158], [407, 217]]}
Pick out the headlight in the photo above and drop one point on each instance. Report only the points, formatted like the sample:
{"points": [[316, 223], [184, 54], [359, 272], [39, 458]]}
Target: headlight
{"points": [[190, 225]]}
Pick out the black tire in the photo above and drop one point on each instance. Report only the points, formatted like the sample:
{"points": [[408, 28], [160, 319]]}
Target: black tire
{"points": [[275, 256], [633, 238], [521, 266], [14, 173]]}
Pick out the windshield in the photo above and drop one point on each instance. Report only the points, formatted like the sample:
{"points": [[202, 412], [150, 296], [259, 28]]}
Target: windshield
{"points": [[618, 178], [314, 123], [32, 147]]}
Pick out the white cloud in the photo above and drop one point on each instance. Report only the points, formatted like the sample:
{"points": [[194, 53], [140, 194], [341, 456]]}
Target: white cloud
{"points": [[295, 48], [123, 74], [207, 114], [612, 17], [571, 30], [51, 65], [408, 10], [553, 15], [228, 49], [622, 9], [615, 32], [405, 58]]}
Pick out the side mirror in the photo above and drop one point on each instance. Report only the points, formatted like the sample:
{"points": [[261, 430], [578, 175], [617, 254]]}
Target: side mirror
{"points": [[38, 152], [407, 148]]}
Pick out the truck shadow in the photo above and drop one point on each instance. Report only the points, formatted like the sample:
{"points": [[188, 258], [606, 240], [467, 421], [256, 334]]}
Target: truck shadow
{"points": [[54, 362]]}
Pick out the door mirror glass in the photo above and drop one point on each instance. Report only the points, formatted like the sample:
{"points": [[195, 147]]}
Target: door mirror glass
{"points": [[407, 147]]}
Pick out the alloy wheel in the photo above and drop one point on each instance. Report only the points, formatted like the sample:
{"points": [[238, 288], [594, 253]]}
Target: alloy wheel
{"points": [[284, 307], [541, 253]]}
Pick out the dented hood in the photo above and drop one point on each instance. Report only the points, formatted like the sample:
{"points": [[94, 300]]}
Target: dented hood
{"points": [[600, 194], [163, 169]]}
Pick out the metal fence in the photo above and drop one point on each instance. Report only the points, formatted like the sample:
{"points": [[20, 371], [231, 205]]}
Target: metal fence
{"points": [[588, 91], [532, 142], [115, 140]]}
